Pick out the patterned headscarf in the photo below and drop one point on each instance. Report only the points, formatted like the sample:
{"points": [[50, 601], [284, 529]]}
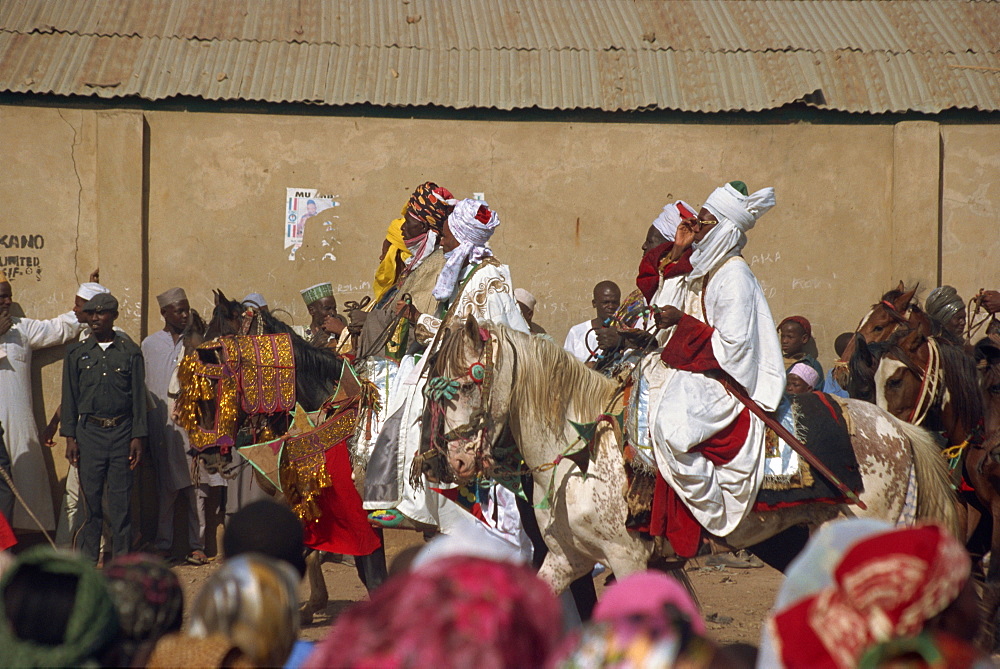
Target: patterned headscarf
{"points": [[885, 586], [943, 303], [454, 612], [431, 204], [472, 223], [253, 600], [147, 596], [91, 624]]}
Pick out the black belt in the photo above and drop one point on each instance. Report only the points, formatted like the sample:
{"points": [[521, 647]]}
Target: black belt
{"points": [[107, 423]]}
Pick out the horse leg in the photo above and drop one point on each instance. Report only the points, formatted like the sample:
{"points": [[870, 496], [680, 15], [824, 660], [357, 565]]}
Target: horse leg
{"points": [[779, 551], [371, 568], [318, 596]]}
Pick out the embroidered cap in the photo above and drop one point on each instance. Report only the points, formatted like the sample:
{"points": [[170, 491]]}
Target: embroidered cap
{"points": [[317, 292]]}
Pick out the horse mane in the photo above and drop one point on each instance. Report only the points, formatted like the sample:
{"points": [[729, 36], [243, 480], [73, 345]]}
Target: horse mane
{"points": [[862, 366], [554, 385], [961, 378]]}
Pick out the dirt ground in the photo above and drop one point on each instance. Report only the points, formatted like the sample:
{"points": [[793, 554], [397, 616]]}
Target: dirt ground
{"points": [[735, 602]]}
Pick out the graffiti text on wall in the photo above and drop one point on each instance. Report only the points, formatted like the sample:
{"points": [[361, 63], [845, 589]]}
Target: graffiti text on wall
{"points": [[17, 257]]}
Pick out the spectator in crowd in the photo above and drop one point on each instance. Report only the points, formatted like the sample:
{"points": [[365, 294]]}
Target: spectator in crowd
{"points": [[864, 593], [19, 337], [801, 378], [581, 340], [148, 598], [795, 333], [830, 384], [453, 612], [526, 301], [104, 422], [268, 528], [57, 612]]}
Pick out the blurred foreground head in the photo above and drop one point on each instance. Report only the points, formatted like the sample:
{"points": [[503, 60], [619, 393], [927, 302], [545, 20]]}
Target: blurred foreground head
{"points": [[253, 601], [149, 602], [57, 611], [864, 593], [268, 528], [453, 612]]}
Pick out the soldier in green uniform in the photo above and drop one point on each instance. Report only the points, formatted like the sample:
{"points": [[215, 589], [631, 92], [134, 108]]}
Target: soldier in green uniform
{"points": [[104, 422]]}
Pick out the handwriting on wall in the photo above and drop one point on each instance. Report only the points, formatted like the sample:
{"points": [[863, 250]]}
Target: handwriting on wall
{"points": [[19, 257]]}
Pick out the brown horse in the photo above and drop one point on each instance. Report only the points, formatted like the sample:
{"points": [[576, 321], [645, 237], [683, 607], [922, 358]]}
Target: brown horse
{"points": [[897, 307], [984, 463]]}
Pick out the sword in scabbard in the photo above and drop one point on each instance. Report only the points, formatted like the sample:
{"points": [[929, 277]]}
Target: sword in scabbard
{"points": [[740, 393]]}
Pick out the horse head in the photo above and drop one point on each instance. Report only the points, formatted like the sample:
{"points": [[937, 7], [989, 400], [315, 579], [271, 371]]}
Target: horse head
{"points": [[467, 402], [900, 373], [897, 307], [227, 317], [861, 369]]}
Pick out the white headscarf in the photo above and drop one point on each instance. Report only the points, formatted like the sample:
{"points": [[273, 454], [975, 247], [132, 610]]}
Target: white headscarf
{"points": [[472, 223], [737, 213], [668, 220], [90, 289]]}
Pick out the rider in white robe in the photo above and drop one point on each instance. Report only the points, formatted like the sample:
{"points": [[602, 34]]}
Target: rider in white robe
{"points": [[17, 417], [726, 308], [471, 283]]}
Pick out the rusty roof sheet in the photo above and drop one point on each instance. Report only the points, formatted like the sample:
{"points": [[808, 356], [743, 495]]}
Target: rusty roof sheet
{"points": [[709, 56]]}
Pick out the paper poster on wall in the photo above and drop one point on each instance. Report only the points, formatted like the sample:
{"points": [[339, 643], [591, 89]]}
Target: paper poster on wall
{"points": [[302, 204]]}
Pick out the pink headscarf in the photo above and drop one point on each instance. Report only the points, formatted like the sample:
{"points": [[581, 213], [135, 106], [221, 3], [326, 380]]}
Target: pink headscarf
{"points": [[806, 373], [646, 594], [455, 612]]}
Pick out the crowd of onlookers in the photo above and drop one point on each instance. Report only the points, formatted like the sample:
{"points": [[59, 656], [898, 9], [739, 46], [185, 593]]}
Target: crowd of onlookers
{"points": [[862, 593]]}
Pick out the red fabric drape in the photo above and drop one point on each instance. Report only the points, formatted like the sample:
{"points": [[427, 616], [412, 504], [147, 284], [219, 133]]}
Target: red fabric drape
{"points": [[670, 517], [649, 276], [343, 525], [690, 347], [7, 538]]}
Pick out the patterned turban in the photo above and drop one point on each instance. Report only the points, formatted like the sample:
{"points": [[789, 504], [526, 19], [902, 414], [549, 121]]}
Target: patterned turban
{"points": [[431, 204], [472, 223], [884, 586], [148, 598], [943, 303]]}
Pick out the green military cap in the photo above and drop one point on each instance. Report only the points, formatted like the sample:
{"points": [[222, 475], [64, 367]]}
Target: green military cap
{"points": [[101, 302]]}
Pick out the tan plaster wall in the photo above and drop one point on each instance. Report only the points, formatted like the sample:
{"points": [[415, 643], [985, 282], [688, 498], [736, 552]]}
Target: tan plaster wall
{"points": [[856, 206], [970, 211], [575, 199], [48, 189]]}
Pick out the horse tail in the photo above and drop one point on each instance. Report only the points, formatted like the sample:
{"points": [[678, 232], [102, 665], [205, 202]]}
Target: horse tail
{"points": [[936, 498]]}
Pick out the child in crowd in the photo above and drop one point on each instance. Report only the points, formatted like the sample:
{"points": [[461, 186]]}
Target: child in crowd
{"points": [[795, 333]]}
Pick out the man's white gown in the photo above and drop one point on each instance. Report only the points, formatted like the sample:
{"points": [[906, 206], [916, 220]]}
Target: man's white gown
{"points": [[16, 412]]}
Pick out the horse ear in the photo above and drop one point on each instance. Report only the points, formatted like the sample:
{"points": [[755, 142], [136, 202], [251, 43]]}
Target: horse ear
{"points": [[903, 300], [215, 295], [472, 333]]}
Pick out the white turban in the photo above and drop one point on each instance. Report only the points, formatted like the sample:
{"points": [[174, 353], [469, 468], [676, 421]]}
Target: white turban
{"points": [[737, 213], [89, 289], [668, 220], [254, 300], [472, 223]]}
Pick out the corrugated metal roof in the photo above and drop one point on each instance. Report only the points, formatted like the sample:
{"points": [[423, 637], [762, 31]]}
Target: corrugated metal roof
{"points": [[857, 56]]}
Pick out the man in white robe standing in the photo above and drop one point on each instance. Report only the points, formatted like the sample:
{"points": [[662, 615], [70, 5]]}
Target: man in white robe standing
{"points": [[19, 337], [168, 443], [709, 448]]}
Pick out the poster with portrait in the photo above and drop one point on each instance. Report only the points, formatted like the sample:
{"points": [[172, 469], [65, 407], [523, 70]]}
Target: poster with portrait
{"points": [[302, 204]]}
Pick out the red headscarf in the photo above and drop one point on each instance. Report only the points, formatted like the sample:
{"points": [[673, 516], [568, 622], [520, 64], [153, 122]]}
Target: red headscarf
{"points": [[885, 587], [455, 612], [801, 320], [649, 269]]}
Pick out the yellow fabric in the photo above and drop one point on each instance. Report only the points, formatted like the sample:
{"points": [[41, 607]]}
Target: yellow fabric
{"points": [[385, 275]]}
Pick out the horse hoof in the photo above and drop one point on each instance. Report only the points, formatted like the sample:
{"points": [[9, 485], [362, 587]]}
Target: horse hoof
{"points": [[305, 617]]}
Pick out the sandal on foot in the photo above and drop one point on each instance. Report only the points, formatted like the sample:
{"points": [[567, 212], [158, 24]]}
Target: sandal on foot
{"points": [[386, 517], [197, 558]]}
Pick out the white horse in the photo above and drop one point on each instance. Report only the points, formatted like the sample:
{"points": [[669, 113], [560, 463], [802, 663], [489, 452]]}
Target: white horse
{"points": [[535, 388]]}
